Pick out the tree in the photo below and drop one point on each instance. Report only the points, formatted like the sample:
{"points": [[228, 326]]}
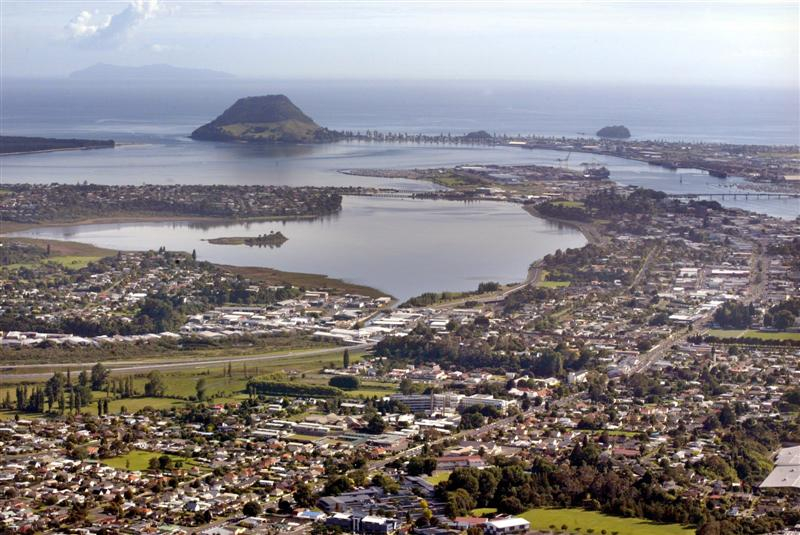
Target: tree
{"points": [[346, 359], [82, 392], [376, 425], [726, 416], [407, 386], [303, 495], [251, 509], [459, 503], [155, 386], [337, 485], [734, 315], [200, 388], [511, 505], [421, 465], [159, 313], [53, 389], [487, 485], [472, 420], [345, 382], [99, 376], [783, 319], [388, 484]]}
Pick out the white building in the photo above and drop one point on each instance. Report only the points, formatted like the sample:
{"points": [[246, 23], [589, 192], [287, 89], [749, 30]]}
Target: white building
{"points": [[507, 525]]}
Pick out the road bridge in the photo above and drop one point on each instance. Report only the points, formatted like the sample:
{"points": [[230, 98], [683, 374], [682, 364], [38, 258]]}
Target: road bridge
{"points": [[738, 195]]}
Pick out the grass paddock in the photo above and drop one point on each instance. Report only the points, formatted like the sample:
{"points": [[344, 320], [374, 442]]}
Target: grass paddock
{"points": [[732, 334], [542, 518]]}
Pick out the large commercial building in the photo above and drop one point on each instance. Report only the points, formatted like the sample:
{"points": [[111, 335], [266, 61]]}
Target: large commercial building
{"points": [[787, 470], [488, 400], [367, 525], [427, 403], [449, 402]]}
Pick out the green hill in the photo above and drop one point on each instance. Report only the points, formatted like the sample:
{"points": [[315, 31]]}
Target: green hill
{"points": [[265, 119]]}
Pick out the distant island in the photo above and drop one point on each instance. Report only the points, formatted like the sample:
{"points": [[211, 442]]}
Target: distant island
{"points": [[21, 144], [271, 240], [265, 119], [614, 132], [104, 72]]}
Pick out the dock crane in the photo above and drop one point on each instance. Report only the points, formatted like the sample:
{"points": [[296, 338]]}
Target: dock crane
{"points": [[565, 161]]}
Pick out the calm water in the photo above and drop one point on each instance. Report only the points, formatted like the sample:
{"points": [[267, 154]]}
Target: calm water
{"points": [[182, 160], [144, 111], [401, 246]]}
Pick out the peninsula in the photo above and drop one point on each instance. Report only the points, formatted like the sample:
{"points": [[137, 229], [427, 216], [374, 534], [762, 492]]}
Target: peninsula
{"points": [[32, 204], [265, 119], [22, 144]]}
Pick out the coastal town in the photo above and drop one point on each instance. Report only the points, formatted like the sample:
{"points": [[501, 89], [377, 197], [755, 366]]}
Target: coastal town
{"points": [[399, 267]]}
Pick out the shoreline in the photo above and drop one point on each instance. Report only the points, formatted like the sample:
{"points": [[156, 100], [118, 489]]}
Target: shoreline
{"points": [[111, 220], [43, 151], [266, 274], [590, 231]]}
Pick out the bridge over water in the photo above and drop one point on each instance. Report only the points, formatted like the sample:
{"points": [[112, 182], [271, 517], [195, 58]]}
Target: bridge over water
{"points": [[402, 193], [739, 195]]}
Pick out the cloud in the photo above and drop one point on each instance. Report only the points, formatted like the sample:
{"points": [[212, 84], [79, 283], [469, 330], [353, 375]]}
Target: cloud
{"points": [[94, 30]]}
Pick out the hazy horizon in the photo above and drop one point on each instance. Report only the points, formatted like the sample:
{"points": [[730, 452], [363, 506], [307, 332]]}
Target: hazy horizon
{"points": [[735, 44]]}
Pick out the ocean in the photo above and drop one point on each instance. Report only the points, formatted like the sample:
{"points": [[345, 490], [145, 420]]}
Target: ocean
{"points": [[143, 111]]}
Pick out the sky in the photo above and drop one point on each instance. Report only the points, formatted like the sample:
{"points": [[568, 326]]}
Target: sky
{"points": [[646, 42]]}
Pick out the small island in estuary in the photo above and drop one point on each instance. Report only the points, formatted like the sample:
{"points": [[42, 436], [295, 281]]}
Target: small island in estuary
{"points": [[271, 240]]}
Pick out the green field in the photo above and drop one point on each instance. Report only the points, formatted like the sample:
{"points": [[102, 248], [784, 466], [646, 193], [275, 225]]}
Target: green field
{"points": [[544, 283], [482, 511], [139, 460], [71, 262], [369, 389], [553, 284], [542, 518], [220, 388], [438, 477], [569, 204], [750, 333]]}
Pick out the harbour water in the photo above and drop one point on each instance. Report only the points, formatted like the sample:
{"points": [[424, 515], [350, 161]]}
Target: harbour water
{"points": [[401, 246]]}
